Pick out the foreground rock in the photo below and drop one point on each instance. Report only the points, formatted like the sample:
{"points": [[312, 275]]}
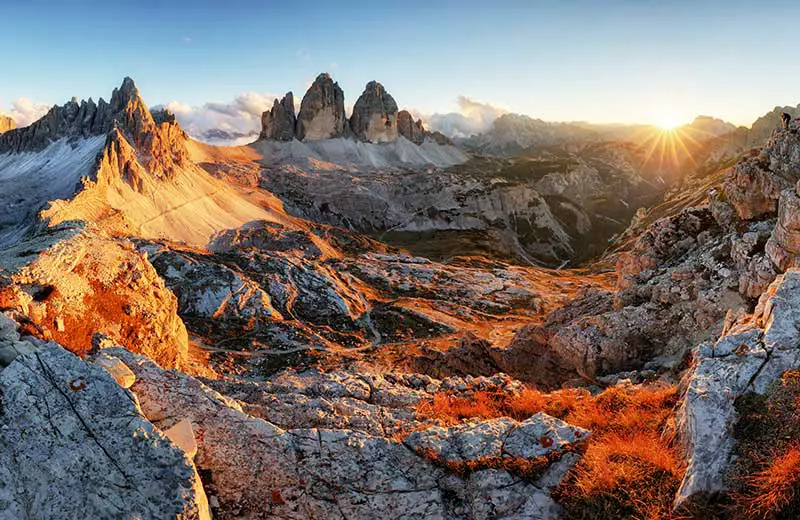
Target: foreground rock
{"points": [[73, 444], [748, 358], [321, 111], [374, 117], [71, 283], [320, 472]]}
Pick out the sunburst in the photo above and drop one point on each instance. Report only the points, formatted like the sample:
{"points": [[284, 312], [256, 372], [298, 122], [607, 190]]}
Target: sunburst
{"points": [[669, 145]]}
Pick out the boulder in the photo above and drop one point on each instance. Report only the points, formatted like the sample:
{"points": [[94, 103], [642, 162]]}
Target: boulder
{"points": [[280, 122], [73, 444], [321, 111], [538, 436], [258, 470], [374, 117]]}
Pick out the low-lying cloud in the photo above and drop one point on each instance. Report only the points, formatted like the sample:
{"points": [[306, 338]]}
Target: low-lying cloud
{"points": [[473, 117], [24, 111], [239, 117]]}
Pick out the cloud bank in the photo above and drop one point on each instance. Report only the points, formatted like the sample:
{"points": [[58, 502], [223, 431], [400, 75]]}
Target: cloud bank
{"points": [[24, 111], [238, 118], [473, 117]]}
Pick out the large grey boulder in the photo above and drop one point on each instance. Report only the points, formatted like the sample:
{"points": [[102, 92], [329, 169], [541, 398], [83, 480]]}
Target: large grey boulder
{"points": [[279, 123], [73, 444], [374, 117], [538, 436], [321, 111], [783, 247]]}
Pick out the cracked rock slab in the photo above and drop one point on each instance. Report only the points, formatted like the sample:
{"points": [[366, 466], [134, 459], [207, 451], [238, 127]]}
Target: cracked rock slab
{"points": [[73, 444]]}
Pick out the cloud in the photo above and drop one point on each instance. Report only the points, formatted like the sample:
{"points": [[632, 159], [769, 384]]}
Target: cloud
{"points": [[186, 39], [242, 115], [473, 117], [24, 111]]}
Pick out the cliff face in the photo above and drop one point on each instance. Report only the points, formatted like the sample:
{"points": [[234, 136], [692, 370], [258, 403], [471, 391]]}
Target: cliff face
{"points": [[280, 123], [374, 117], [6, 124], [322, 111]]}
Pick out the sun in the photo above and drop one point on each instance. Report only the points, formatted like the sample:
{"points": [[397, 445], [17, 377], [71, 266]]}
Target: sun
{"points": [[667, 122]]}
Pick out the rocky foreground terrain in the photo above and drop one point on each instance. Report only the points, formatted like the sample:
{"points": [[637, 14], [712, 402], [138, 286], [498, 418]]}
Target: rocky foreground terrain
{"points": [[197, 332]]}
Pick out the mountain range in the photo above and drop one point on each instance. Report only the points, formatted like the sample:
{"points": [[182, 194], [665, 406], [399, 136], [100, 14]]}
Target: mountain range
{"points": [[356, 317]]}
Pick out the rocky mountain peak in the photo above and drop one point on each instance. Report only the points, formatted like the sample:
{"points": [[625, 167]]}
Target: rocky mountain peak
{"points": [[322, 111], [280, 122], [6, 124], [374, 117], [410, 129], [126, 111]]}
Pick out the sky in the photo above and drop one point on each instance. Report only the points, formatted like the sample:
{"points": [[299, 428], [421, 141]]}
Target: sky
{"points": [[573, 60]]}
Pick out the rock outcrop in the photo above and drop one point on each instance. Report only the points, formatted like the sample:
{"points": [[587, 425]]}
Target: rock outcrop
{"points": [[783, 246], [71, 284], [322, 111], [410, 129], [374, 117], [73, 444], [6, 124], [280, 122], [749, 357], [320, 472]]}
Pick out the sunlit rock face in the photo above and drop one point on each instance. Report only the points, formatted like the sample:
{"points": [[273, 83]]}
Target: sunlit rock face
{"points": [[374, 117], [6, 124], [71, 284], [322, 111]]}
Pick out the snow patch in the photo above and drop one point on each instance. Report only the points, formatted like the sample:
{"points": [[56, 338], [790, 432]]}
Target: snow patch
{"points": [[28, 180]]}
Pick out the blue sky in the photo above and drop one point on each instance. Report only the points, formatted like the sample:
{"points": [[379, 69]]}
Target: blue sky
{"points": [[599, 61]]}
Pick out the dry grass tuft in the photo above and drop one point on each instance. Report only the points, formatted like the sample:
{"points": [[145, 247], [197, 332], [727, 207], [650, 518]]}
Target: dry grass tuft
{"points": [[775, 487], [765, 476]]}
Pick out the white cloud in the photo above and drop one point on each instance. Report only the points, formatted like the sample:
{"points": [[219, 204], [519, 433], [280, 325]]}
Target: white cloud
{"points": [[24, 111], [242, 115], [473, 117]]}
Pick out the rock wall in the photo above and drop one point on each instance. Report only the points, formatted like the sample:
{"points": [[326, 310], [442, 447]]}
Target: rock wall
{"points": [[374, 117], [280, 122], [322, 111]]}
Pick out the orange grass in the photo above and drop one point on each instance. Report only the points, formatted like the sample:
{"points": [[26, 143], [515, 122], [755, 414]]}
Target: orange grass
{"points": [[631, 468], [774, 487]]}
